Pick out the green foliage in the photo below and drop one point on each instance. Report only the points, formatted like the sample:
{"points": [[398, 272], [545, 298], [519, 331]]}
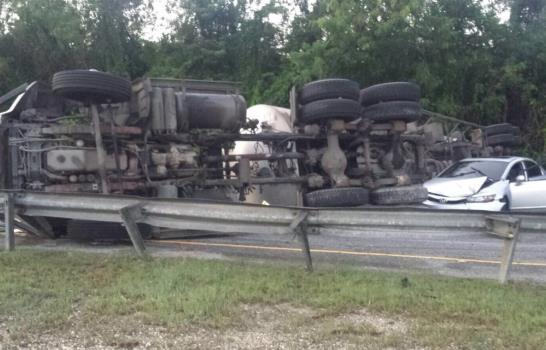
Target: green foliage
{"points": [[40, 38], [223, 40], [113, 29]]}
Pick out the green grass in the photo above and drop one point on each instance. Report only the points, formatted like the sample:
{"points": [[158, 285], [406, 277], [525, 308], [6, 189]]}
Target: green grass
{"points": [[40, 291]]}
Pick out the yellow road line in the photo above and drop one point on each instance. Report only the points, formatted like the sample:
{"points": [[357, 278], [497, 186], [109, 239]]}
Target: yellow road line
{"points": [[347, 252]]}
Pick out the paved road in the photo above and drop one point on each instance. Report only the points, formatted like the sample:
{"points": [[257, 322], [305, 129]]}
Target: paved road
{"points": [[466, 254], [455, 253]]}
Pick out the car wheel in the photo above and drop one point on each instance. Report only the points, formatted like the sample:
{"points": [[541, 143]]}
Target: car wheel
{"points": [[329, 88], [395, 110], [341, 108], [337, 197], [91, 86], [415, 194], [396, 91]]}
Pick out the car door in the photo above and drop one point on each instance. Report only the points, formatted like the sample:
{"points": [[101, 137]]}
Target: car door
{"points": [[531, 193]]}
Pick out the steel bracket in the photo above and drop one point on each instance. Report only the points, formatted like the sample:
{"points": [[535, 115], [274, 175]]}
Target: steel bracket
{"points": [[298, 227], [130, 215], [506, 227], [9, 222]]}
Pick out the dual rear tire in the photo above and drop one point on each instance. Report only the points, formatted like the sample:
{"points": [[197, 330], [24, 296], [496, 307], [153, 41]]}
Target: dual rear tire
{"points": [[329, 99], [391, 101]]}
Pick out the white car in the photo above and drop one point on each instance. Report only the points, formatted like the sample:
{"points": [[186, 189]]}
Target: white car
{"points": [[492, 184]]}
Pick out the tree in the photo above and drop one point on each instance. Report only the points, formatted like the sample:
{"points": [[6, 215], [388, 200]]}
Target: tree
{"points": [[223, 40], [43, 37], [114, 28], [39, 39], [521, 72]]}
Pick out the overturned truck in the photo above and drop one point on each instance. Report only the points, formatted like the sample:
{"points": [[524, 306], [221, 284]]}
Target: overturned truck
{"points": [[90, 131]]}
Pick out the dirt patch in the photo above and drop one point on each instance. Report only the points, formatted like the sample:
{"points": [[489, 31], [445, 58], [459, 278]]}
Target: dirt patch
{"points": [[254, 327]]}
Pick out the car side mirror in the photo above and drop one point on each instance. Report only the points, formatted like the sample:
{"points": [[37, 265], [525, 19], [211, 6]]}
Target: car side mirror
{"points": [[520, 179]]}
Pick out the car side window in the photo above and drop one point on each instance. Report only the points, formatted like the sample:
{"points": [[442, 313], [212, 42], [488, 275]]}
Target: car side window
{"points": [[515, 171], [533, 170]]}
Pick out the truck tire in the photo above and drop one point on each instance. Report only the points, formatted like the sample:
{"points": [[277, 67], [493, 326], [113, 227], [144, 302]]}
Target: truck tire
{"points": [[399, 195], [495, 129], [91, 86], [337, 197], [59, 226], [85, 230], [329, 88], [394, 110], [341, 108], [396, 91], [503, 139]]}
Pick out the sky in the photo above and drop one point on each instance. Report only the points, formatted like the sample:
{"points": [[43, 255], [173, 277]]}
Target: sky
{"points": [[161, 25]]}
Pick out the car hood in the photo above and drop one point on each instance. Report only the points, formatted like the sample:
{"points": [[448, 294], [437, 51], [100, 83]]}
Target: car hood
{"points": [[453, 187]]}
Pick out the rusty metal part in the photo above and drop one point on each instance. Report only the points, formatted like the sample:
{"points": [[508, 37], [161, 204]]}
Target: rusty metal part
{"points": [[254, 156], [115, 142], [169, 109], [334, 161], [445, 117], [273, 136], [389, 181], [311, 130], [244, 177], [399, 125], [139, 185], [337, 125], [158, 111], [257, 181], [244, 172], [398, 159], [80, 129], [101, 154], [315, 181]]}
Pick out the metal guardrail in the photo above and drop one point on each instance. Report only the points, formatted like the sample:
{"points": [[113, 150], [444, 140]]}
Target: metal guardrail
{"points": [[246, 218]]}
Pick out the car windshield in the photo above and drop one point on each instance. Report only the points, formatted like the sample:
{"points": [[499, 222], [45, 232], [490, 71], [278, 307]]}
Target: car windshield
{"points": [[469, 169]]}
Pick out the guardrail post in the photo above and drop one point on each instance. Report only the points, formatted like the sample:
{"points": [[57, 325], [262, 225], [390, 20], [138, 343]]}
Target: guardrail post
{"points": [[506, 227], [8, 222], [298, 227], [129, 216]]}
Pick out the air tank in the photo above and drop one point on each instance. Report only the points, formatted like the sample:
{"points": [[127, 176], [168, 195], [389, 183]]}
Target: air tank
{"points": [[214, 111]]}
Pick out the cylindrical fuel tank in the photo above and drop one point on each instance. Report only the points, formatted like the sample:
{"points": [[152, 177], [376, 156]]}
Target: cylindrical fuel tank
{"points": [[215, 111], [169, 107]]}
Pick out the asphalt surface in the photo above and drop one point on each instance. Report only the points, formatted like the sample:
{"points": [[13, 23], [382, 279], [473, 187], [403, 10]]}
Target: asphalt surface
{"points": [[454, 253]]}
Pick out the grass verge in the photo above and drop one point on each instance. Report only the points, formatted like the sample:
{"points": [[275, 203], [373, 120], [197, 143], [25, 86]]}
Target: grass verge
{"points": [[40, 291]]}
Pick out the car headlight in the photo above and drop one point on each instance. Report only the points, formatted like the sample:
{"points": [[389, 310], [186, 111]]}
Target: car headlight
{"points": [[481, 199]]}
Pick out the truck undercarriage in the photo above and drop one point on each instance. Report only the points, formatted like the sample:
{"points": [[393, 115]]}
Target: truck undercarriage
{"points": [[90, 131]]}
